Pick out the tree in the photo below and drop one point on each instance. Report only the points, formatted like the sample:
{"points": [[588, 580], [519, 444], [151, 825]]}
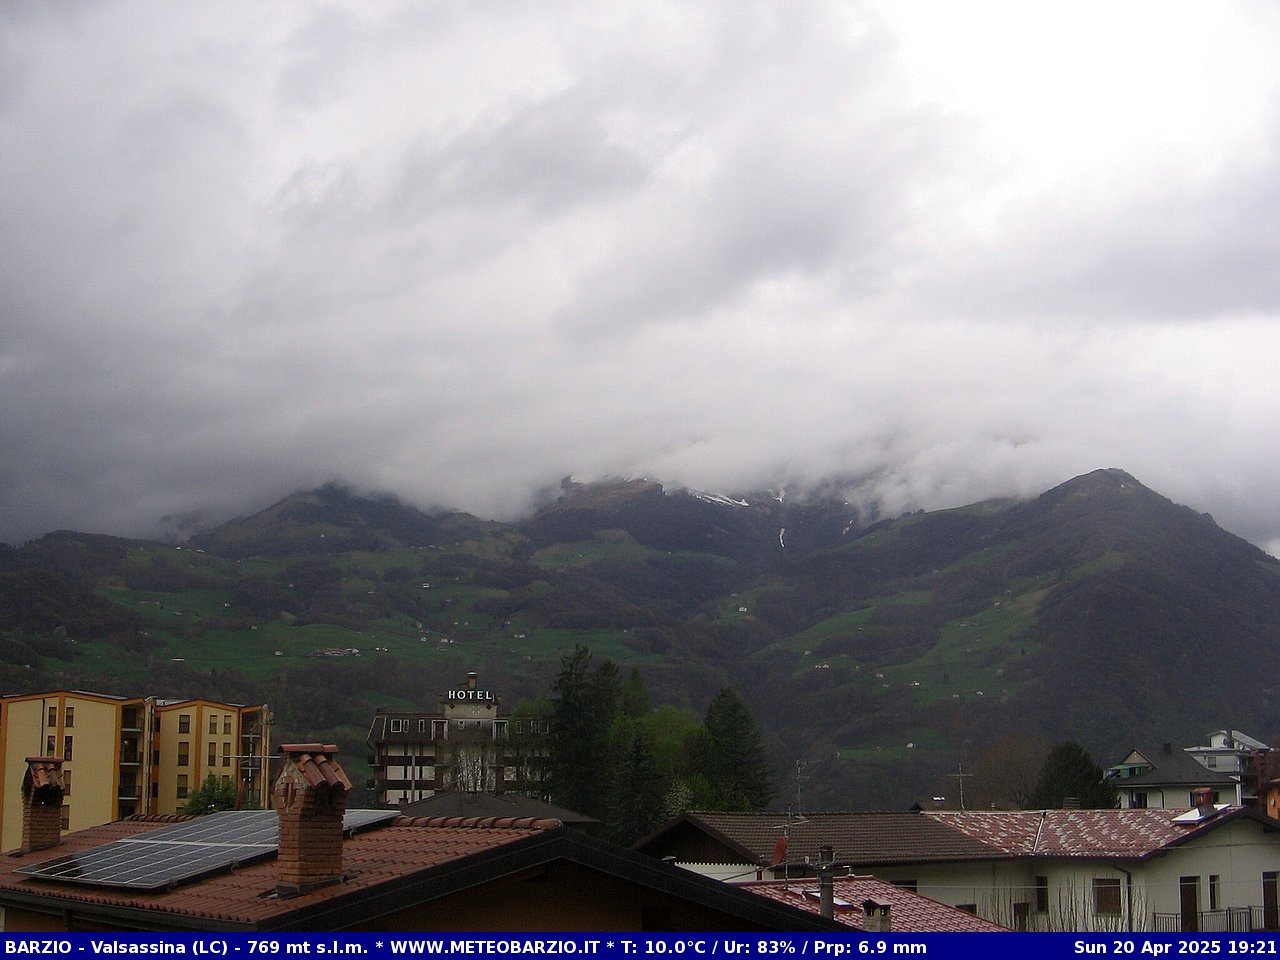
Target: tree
{"points": [[1069, 771], [526, 748], [635, 702], [214, 794], [636, 801], [1004, 773], [579, 762], [731, 755]]}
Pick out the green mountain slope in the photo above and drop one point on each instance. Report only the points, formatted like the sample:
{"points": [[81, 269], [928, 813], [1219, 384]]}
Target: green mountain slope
{"points": [[876, 656]]}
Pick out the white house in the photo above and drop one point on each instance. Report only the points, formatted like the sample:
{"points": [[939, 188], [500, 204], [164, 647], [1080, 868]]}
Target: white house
{"points": [[1211, 868], [1166, 777]]}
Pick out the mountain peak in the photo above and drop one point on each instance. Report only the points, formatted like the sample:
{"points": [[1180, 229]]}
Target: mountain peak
{"points": [[1108, 482]]}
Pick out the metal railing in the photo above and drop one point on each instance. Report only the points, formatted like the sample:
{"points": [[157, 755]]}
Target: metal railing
{"points": [[1230, 920]]}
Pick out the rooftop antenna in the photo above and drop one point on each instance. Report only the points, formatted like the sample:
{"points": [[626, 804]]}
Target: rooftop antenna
{"points": [[959, 776], [797, 813]]}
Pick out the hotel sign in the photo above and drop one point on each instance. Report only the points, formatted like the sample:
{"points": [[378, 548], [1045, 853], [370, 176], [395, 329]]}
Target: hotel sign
{"points": [[471, 695]]}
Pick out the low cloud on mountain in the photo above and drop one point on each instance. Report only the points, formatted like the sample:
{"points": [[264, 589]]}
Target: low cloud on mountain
{"points": [[457, 253]]}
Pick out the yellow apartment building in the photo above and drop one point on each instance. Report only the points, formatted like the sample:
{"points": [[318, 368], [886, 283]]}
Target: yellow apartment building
{"points": [[127, 755], [194, 738]]}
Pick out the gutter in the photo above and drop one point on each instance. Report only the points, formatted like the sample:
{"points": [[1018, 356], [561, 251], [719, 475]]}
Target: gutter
{"points": [[1128, 895]]}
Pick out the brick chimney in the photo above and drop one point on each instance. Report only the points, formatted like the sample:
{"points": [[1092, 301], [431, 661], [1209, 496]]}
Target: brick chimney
{"points": [[310, 797], [42, 803]]}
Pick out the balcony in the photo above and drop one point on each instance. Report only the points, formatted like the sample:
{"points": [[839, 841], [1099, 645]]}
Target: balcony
{"points": [[128, 790], [131, 757]]}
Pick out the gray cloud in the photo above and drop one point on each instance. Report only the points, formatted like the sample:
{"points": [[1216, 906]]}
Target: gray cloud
{"points": [[459, 252]]}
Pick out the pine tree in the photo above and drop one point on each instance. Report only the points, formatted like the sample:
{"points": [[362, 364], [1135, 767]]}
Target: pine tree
{"points": [[734, 759], [579, 762], [636, 806], [1069, 771], [635, 701]]}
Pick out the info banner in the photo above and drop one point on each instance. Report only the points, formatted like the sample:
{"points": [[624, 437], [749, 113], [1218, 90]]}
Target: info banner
{"points": [[636, 946]]}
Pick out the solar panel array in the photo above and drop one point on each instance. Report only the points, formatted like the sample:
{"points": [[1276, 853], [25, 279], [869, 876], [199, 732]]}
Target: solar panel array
{"points": [[183, 851]]}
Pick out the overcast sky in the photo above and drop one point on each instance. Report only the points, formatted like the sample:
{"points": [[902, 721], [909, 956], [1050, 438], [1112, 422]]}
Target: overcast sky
{"points": [[459, 250]]}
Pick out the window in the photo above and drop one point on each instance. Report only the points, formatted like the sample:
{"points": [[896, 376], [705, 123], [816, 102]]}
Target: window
{"points": [[66, 783], [226, 754], [968, 908], [1211, 762], [182, 786], [66, 748], [1021, 915], [422, 726], [50, 745], [499, 729], [184, 753], [1106, 895], [213, 724], [184, 723], [53, 717], [213, 754], [226, 726], [399, 725], [439, 729], [69, 716], [1042, 894], [155, 758], [1215, 883], [66, 816], [1139, 800], [905, 884]]}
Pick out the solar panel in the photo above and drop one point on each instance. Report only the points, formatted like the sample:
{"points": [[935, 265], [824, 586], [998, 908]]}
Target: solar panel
{"points": [[184, 851]]}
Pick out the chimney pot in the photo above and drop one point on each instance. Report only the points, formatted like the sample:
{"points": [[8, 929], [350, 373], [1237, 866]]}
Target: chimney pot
{"points": [[876, 917], [42, 803]]}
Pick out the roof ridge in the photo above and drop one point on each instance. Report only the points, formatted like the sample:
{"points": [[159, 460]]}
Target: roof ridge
{"points": [[485, 823]]}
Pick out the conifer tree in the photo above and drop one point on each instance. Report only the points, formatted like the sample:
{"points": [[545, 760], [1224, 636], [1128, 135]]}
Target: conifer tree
{"points": [[636, 803], [1069, 771], [584, 703], [734, 759]]}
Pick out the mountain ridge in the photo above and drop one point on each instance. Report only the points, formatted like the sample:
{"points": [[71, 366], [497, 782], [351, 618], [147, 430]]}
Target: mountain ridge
{"points": [[1098, 610]]}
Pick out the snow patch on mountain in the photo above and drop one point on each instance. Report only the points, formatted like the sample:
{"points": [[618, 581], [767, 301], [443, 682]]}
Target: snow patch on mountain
{"points": [[718, 498]]}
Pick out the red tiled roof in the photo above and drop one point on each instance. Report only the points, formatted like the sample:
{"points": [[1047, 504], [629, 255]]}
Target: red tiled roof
{"points": [[865, 840], [856, 838], [247, 895], [910, 912], [1078, 833]]}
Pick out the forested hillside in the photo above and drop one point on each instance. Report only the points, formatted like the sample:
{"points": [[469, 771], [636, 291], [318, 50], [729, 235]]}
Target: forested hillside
{"points": [[876, 655]]}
